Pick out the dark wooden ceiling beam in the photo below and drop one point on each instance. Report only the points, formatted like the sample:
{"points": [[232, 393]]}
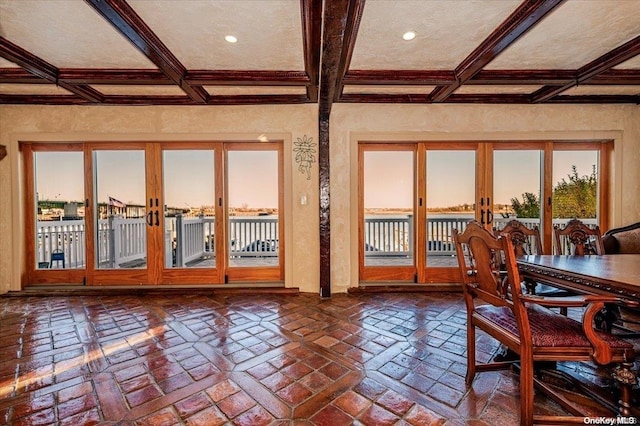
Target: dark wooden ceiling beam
{"points": [[114, 76], [487, 77], [247, 78], [42, 69], [398, 77], [341, 23], [522, 77], [386, 98], [604, 63], [595, 99], [258, 99], [421, 98], [19, 76], [43, 100], [292, 99], [311, 12], [154, 100], [122, 17], [616, 77], [417, 98], [525, 17]]}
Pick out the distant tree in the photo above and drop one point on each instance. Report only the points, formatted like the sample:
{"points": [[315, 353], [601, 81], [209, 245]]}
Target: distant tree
{"points": [[529, 207], [576, 197]]}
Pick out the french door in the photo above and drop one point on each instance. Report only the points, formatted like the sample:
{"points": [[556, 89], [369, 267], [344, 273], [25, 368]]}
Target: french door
{"points": [[413, 195], [154, 213]]}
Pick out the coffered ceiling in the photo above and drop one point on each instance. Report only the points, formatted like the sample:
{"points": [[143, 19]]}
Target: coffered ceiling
{"points": [[171, 52]]}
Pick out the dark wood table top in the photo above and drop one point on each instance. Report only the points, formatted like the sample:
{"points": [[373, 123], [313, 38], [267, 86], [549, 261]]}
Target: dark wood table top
{"points": [[617, 274]]}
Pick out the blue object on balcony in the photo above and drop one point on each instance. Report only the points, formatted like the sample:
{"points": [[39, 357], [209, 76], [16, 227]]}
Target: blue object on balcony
{"points": [[57, 256]]}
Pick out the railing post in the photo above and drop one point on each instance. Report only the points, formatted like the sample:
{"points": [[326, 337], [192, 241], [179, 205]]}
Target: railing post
{"points": [[179, 241], [111, 235], [411, 237]]}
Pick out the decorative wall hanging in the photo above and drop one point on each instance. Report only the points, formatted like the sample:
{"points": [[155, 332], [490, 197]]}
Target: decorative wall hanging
{"points": [[305, 155]]}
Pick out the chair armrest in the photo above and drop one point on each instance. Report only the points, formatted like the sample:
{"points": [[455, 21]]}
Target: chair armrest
{"points": [[577, 301]]}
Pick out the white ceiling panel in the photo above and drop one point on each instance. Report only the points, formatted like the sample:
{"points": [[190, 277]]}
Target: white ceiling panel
{"points": [[447, 31], [269, 32], [578, 32], [67, 34]]}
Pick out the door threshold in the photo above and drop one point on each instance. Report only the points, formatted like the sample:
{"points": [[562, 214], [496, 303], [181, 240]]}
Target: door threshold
{"points": [[79, 290], [399, 287]]}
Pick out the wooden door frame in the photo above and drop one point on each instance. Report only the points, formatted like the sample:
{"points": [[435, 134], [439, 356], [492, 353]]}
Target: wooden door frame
{"points": [[199, 276], [125, 276], [155, 272], [35, 275], [429, 274], [265, 273], [383, 273], [484, 191]]}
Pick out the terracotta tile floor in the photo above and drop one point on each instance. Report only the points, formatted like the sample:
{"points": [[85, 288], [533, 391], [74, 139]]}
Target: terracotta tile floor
{"points": [[265, 359]]}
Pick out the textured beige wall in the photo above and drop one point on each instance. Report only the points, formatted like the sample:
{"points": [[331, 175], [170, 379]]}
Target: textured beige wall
{"points": [[54, 123], [349, 123]]}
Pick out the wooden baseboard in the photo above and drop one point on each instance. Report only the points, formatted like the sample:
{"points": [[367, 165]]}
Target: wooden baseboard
{"points": [[404, 288], [45, 291]]}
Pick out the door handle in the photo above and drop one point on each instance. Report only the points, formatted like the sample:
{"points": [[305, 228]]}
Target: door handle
{"points": [[157, 218], [489, 217], [482, 216], [150, 218]]}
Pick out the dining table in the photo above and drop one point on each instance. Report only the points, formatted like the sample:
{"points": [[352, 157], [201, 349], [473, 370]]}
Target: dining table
{"points": [[617, 275]]}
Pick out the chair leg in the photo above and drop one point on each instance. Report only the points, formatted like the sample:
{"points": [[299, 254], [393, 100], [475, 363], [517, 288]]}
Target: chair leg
{"points": [[526, 391], [626, 380], [471, 354]]}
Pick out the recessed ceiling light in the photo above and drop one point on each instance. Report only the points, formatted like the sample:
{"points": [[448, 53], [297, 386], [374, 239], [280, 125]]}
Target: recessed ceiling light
{"points": [[409, 35], [231, 39]]}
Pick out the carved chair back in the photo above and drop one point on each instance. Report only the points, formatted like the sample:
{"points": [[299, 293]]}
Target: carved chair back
{"points": [[525, 240], [481, 263], [578, 239]]}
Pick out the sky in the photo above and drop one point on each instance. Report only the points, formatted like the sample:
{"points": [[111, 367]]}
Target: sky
{"points": [[451, 176], [189, 176]]}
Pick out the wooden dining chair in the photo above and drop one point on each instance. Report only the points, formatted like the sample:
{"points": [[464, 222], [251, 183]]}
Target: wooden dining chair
{"points": [[576, 238], [527, 241], [524, 323]]}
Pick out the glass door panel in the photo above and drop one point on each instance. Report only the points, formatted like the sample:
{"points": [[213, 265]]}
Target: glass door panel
{"points": [[517, 188], [253, 208], [120, 206], [388, 192], [450, 204], [60, 210], [575, 187], [189, 208]]}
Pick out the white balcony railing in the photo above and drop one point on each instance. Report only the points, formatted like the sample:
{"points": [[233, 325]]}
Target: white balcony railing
{"points": [[122, 242]]}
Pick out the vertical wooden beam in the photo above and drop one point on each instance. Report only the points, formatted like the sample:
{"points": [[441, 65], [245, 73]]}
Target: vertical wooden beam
{"points": [[325, 205], [339, 17]]}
